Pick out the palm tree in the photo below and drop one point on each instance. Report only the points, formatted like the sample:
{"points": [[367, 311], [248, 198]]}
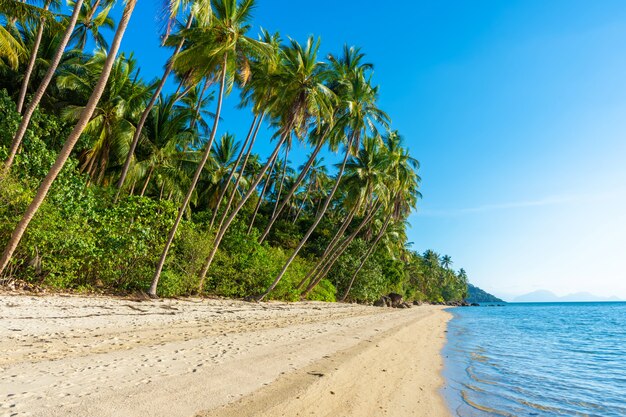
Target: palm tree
{"points": [[166, 132], [42, 191], [221, 49], [201, 8], [112, 123], [21, 130], [33, 57], [357, 115], [446, 261], [90, 21], [301, 98], [258, 93], [366, 183], [404, 184], [351, 61]]}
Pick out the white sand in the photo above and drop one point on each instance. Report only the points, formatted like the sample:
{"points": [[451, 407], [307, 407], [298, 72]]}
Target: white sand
{"points": [[99, 356]]}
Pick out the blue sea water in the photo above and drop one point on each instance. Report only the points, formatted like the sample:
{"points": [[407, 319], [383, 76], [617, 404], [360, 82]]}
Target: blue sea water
{"points": [[537, 359]]}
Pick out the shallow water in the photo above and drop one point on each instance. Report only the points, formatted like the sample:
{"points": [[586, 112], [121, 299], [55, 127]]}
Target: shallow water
{"points": [[537, 359]]}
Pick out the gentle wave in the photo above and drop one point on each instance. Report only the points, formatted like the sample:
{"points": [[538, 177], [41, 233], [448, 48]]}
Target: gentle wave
{"points": [[557, 359]]}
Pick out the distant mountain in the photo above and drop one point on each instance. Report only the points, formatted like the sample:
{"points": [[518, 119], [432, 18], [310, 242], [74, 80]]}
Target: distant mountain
{"points": [[545, 296], [476, 295]]}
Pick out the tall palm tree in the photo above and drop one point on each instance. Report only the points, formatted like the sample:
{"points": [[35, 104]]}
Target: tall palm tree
{"points": [[113, 120], [220, 49], [90, 21], [403, 187], [166, 132], [42, 191], [302, 97], [366, 183], [446, 261], [28, 113], [200, 8], [357, 115], [258, 93], [349, 62], [33, 56]]}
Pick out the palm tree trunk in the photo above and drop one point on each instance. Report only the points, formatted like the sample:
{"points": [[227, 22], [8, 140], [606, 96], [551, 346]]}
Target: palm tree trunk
{"points": [[145, 184], [318, 218], [194, 182], [241, 172], [233, 170], [306, 197], [229, 220], [31, 61], [206, 85], [262, 195], [28, 113], [367, 255], [324, 267], [295, 186], [94, 8], [147, 110], [282, 181], [85, 116]]}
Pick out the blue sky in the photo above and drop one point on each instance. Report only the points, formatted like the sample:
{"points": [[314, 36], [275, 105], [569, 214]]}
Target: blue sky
{"points": [[516, 111]]}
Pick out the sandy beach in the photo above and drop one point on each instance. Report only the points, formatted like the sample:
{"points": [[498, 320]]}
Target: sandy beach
{"points": [[101, 356]]}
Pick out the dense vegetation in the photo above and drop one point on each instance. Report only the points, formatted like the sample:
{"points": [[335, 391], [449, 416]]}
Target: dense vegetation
{"points": [[111, 183], [477, 295]]}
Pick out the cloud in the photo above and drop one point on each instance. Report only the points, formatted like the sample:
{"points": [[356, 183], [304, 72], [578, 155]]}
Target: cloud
{"points": [[548, 201]]}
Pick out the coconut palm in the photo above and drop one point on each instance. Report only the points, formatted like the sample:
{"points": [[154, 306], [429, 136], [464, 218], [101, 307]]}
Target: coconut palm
{"points": [[221, 50], [112, 123], [357, 115], [367, 186], [404, 189], [301, 99], [21, 130], [88, 110], [90, 21], [33, 56], [200, 9], [166, 132], [257, 93]]}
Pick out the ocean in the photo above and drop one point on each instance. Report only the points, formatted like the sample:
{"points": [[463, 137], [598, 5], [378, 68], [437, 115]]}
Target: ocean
{"points": [[537, 359]]}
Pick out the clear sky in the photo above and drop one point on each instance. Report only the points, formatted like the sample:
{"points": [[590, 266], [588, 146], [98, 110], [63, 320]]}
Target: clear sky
{"points": [[516, 111]]}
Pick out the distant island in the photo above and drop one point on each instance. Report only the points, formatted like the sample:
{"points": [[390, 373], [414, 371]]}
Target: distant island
{"points": [[545, 296], [477, 295]]}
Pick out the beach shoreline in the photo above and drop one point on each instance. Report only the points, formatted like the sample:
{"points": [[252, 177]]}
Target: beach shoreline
{"points": [[103, 356]]}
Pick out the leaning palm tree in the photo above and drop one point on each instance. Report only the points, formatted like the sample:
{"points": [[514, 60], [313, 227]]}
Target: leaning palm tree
{"points": [[258, 93], [404, 189], [366, 185], [112, 123], [348, 63], [33, 56], [42, 191], [28, 113], [357, 115], [302, 97], [90, 21], [200, 9], [220, 50]]}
